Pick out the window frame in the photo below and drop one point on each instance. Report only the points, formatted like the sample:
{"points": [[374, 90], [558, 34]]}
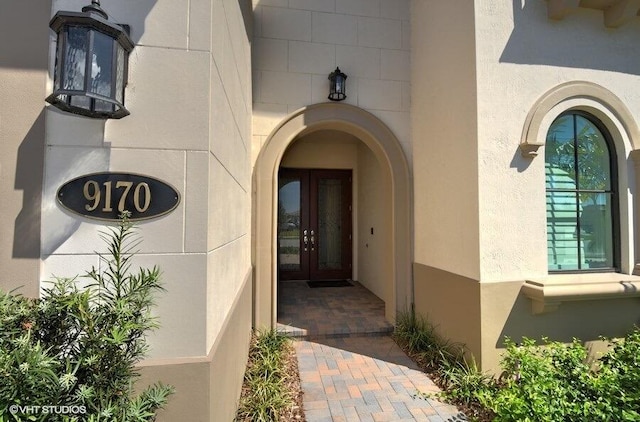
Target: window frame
{"points": [[614, 191]]}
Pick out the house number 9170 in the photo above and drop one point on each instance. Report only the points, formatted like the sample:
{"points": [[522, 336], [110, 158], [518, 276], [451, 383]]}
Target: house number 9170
{"points": [[93, 193], [105, 196]]}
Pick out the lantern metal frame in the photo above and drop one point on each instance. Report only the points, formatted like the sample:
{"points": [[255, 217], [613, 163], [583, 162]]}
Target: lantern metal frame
{"points": [[337, 85], [85, 100]]}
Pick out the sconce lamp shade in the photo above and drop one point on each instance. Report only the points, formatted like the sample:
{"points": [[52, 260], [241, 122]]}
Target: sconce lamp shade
{"points": [[91, 63], [337, 85]]}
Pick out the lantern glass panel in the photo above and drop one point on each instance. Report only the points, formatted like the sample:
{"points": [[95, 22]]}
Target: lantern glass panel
{"points": [[120, 75], [81, 101], [75, 58], [56, 81], [101, 71], [101, 105]]}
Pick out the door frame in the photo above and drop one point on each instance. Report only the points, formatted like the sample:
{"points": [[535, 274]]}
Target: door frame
{"points": [[310, 221], [384, 145]]}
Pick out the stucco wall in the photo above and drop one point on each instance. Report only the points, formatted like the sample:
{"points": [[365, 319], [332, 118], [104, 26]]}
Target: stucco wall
{"points": [[444, 133], [374, 229], [23, 76], [298, 43], [521, 54], [190, 125]]}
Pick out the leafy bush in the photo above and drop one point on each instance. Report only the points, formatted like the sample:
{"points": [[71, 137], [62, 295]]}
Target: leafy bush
{"points": [[555, 382], [76, 348], [552, 382]]}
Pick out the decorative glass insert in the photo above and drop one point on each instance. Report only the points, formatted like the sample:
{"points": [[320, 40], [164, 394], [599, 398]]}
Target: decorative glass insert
{"points": [[289, 200], [330, 224], [580, 195]]}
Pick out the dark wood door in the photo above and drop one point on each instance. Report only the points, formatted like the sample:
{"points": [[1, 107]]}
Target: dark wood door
{"points": [[314, 224]]}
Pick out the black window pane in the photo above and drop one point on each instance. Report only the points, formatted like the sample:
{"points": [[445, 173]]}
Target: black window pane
{"points": [[593, 156], [580, 185], [559, 146], [596, 230], [563, 242]]}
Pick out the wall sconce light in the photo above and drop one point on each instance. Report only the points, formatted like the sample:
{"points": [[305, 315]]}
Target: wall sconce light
{"points": [[337, 85], [92, 57]]}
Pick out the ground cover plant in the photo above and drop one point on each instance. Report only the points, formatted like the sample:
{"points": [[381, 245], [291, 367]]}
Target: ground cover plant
{"points": [[546, 382], [71, 355], [271, 389], [445, 363]]}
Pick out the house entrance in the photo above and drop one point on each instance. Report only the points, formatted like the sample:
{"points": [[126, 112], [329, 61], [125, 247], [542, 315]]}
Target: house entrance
{"points": [[314, 224]]}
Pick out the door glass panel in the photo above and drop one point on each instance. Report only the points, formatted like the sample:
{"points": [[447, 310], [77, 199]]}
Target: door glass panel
{"points": [[329, 237], [289, 195]]}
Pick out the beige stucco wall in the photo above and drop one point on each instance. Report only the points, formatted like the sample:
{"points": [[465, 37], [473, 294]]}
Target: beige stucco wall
{"points": [[375, 240], [298, 43], [480, 211], [207, 387], [189, 95], [444, 133], [451, 304], [521, 54], [23, 77]]}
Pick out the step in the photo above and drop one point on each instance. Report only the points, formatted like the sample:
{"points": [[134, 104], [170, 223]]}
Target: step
{"points": [[335, 332]]}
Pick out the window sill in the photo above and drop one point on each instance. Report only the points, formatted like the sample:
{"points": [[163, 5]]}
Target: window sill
{"points": [[547, 294]]}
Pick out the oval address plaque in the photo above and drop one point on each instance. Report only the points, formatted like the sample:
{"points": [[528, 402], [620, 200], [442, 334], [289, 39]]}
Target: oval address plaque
{"points": [[104, 196]]}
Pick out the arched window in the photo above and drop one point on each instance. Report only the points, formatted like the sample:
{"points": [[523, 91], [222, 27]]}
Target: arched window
{"points": [[581, 187]]}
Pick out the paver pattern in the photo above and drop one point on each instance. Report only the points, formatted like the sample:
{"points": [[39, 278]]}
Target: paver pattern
{"points": [[365, 379], [350, 369], [328, 311]]}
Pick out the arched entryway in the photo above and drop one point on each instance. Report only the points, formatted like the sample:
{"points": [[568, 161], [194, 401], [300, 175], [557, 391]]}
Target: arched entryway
{"points": [[335, 121]]}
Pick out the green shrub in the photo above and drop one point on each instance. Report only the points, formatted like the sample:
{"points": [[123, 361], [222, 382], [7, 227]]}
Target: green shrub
{"points": [[75, 348], [555, 382], [552, 382], [266, 397], [419, 337], [445, 361]]}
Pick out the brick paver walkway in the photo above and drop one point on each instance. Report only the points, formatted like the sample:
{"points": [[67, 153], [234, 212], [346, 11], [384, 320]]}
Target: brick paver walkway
{"points": [[355, 379], [350, 369]]}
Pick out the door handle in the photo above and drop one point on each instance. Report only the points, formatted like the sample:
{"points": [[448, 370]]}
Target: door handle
{"points": [[313, 241], [305, 240]]}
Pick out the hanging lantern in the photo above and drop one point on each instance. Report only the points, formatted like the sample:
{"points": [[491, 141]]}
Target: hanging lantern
{"points": [[91, 63], [337, 85]]}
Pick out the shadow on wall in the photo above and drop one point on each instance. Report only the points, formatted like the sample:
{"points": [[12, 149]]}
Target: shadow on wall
{"points": [[16, 50], [536, 39], [32, 52], [27, 48], [28, 178], [586, 320]]}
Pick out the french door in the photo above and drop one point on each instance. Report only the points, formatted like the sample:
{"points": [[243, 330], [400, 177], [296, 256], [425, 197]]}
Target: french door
{"points": [[314, 224]]}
